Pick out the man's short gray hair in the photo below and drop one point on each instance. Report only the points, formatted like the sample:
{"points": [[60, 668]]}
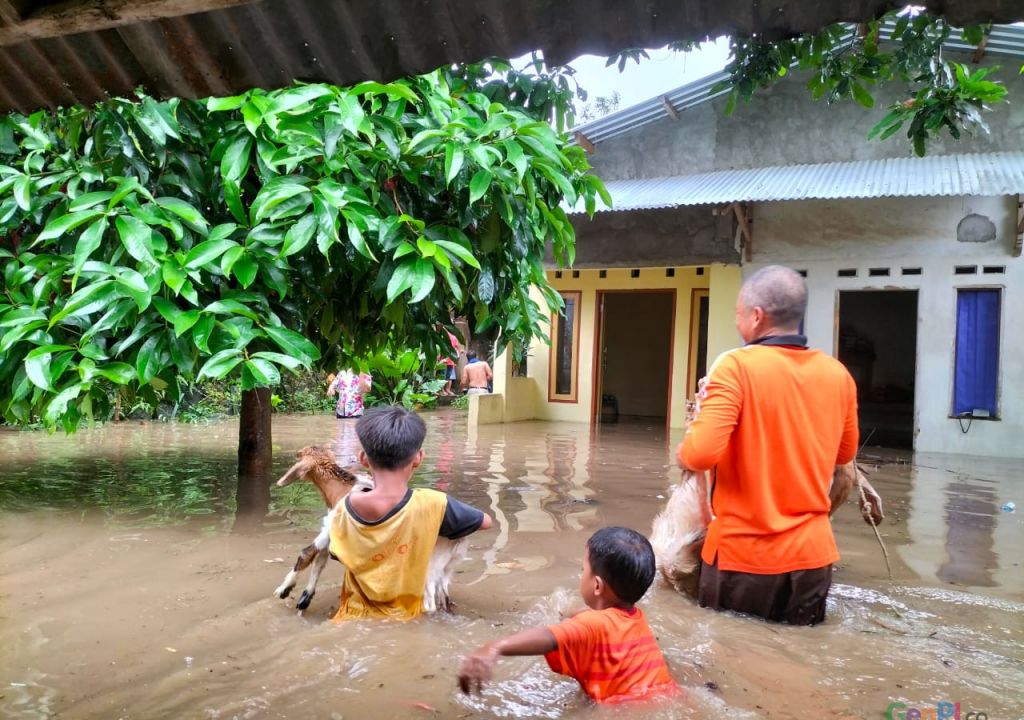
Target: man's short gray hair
{"points": [[780, 292]]}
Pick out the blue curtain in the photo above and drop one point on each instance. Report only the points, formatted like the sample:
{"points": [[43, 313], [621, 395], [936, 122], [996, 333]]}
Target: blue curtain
{"points": [[977, 351]]}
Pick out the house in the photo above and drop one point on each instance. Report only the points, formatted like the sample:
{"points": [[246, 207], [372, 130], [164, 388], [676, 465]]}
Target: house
{"points": [[913, 264]]}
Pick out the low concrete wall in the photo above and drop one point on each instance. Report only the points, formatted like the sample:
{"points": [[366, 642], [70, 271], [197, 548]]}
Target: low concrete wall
{"points": [[486, 409], [519, 396]]}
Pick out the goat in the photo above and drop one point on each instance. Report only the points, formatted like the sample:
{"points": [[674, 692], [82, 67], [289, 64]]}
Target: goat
{"points": [[678, 531], [677, 534], [317, 465]]}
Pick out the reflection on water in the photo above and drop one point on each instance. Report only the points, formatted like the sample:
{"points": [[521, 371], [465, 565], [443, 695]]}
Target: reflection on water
{"points": [[136, 570]]}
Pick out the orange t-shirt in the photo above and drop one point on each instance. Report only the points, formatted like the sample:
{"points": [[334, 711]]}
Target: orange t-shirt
{"points": [[613, 655], [774, 422]]}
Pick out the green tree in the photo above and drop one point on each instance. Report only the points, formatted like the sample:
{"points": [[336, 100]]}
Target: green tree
{"points": [[843, 61], [147, 244]]}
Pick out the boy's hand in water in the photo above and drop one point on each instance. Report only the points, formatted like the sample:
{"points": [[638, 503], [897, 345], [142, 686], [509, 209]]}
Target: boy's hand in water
{"points": [[476, 669]]}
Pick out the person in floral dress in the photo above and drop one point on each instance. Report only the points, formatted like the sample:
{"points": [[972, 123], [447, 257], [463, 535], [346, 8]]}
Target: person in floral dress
{"points": [[349, 386]]}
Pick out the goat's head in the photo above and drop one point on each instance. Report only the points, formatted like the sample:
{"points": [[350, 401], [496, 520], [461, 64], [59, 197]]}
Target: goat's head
{"points": [[318, 465]]}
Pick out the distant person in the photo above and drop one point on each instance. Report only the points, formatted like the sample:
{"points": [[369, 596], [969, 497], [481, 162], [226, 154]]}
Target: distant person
{"points": [[476, 376], [385, 536], [775, 419], [350, 388], [450, 363], [608, 648]]}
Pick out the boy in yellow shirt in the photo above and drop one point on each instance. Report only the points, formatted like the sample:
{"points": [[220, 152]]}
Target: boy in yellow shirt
{"points": [[385, 536]]}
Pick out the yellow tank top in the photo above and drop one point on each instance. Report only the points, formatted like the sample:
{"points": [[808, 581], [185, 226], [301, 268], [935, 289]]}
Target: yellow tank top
{"points": [[387, 561]]}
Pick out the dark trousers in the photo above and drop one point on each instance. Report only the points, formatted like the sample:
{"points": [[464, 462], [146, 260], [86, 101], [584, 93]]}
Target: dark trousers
{"points": [[797, 597]]}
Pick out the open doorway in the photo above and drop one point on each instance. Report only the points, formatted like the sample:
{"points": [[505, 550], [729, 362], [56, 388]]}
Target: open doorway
{"points": [[635, 337], [878, 345]]}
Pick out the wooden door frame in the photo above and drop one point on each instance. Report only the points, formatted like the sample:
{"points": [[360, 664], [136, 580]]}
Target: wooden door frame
{"points": [[691, 355], [595, 402]]}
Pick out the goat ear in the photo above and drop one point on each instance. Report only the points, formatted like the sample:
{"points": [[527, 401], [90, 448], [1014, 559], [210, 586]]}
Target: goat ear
{"points": [[346, 476]]}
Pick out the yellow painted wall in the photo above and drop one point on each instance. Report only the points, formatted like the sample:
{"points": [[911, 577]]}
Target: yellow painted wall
{"points": [[724, 287], [589, 283]]}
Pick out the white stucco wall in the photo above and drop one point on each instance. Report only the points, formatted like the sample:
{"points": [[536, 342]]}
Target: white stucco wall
{"points": [[823, 237]]}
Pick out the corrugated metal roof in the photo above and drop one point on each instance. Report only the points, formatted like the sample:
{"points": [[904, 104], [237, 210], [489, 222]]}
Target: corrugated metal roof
{"points": [[59, 53], [988, 174], [1005, 40]]}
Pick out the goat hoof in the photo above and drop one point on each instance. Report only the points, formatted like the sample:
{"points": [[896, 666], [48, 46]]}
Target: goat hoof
{"points": [[304, 600], [285, 592]]}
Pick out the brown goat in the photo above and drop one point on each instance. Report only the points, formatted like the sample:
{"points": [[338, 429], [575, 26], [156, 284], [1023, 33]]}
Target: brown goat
{"points": [[317, 465]]}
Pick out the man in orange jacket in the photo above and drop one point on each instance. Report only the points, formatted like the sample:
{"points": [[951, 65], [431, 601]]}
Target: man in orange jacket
{"points": [[775, 419]]}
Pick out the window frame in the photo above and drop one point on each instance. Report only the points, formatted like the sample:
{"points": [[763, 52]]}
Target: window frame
{"points": [[573, 396], [1001, 290]]}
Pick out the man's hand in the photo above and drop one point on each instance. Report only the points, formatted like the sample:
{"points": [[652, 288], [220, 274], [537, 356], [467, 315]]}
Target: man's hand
{"points": [[871, 502], [476, 669]]}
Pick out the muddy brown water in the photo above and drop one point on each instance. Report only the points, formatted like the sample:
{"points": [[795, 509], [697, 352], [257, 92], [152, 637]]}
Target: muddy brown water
{"points": [[136, 575]]}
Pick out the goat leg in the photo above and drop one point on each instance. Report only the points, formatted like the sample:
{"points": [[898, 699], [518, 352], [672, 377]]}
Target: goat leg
{"points": [[305, 558], [319, 562]]}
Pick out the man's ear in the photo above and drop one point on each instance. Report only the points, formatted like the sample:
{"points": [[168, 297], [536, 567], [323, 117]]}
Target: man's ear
{"points": [[599, 585], [364, 460]]}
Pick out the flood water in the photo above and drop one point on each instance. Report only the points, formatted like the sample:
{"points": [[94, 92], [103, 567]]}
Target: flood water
{"points": [[136, 576]]}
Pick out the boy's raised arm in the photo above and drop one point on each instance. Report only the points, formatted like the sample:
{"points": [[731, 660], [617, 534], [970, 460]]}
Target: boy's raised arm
{"points": [[476, 669]]}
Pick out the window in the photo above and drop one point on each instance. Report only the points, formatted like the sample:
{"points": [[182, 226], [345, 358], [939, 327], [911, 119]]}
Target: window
{"points": [[976, 369], [565, 338]]}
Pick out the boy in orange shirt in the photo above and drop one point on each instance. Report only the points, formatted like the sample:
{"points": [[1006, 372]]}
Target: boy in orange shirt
{"points": [[609, 648]]}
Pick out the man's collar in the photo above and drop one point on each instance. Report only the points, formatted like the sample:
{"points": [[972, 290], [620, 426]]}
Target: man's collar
{"points": [[788, 340]]}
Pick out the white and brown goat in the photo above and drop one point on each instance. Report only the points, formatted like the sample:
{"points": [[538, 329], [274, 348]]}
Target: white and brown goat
{"points": [[678, 531], [318, 465]]}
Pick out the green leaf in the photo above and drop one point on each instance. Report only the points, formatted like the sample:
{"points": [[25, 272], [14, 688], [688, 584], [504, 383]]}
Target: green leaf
{"points": [[185, 321], [479, 185], [292, 98], [394, 90], [207, 252], [225, 103], [231, 307], [235, 163], [282, 360], [59, 404], [355, 236], [147, 361], [88, 200], [58, 226], [460, 252], [85, 300], [293, 344], [233, 199], [135, 286], [118, 373], [186, 211], [264, 372], [202, 330], [220, 364], [422, 280], [37, 365], [245, 270], [87, 243], [174, 275], [299, 235], [23, 192], [401, 280], [515, 155], [228, 259], [862, 96], [168, 310], [137, 238], [453, 159]]}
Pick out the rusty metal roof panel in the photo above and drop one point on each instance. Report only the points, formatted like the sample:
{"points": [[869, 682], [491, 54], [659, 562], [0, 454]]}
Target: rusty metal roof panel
{"points": [[59, 53], [984, 174]]}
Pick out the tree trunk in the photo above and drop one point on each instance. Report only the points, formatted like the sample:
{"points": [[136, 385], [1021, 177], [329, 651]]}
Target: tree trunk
{"points": [[254, 450]]}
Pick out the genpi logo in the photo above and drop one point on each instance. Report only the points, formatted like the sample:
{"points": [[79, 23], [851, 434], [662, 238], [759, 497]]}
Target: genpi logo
{"points": [[944, 710]]}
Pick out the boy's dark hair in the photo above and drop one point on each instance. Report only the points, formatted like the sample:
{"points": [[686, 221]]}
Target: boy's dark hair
{"points": [[390, 436], [624, 559], [471, 354]]}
